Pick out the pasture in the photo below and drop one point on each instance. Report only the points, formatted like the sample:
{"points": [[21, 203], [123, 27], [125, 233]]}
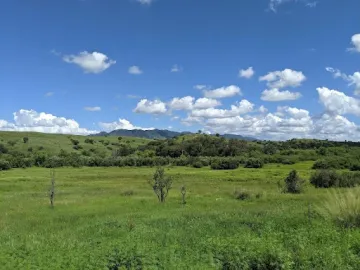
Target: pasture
{"points": [[109, 218]]}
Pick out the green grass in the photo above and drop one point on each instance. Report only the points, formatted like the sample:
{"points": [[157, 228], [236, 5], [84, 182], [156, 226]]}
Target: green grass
{"points": [[101, 210], [53, 143]]}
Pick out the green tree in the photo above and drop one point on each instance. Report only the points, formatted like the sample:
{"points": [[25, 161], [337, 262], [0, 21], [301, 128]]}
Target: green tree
{"points": [[293, 183], [161, 184], [26, 139]]}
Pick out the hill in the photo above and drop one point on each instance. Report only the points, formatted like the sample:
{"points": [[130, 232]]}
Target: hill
{"points": [[54, 143], [161, 134]]}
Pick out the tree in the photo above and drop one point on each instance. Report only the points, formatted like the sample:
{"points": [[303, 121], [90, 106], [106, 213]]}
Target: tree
{"points": [[52, 188], [161, 184], [75, 142], [119, 138], [25, 139], [293, 183]]}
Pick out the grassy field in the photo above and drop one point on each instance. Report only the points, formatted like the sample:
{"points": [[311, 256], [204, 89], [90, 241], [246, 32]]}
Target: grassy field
{"points": [[109, 218], [53, 143]]}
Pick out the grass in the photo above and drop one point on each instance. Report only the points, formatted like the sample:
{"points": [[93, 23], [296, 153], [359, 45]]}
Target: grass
{"points": [[108, 218], [53, 143]]}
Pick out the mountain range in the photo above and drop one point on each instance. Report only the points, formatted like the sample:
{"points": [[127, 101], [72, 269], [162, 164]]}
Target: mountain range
{"points": [[161, 134]]}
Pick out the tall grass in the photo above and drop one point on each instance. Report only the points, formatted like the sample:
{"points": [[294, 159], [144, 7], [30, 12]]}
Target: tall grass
{"points": [[343, 207]]}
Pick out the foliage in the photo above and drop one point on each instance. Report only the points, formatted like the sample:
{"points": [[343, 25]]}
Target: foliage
{"points": [[88, 140], [26, 139], [242, 195], [224, 164], [293, 183], [254, 163], [330, 178], [161, 184], [3, 149], [4, 165], [343, 207]]}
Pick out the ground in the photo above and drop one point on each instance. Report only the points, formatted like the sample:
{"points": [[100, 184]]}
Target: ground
{"points": [[108, 217]]}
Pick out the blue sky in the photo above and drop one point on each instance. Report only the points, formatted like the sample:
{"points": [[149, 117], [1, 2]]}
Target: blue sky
{"points": [[269, 68]]}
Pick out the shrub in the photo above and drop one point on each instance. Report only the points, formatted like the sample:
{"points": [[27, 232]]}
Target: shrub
{"points": [[25, 139], [91, 141], [54, 162], [329, 178], [242, 195], [355, 167], [343, 208], [128, 193], [77, 147], [3, 149], [197, 164], [30, 149], [254, 163], [293, 183], [224, 164], [12, 143], [337, 163], [74, 142], [324, 178], [4, 165]]}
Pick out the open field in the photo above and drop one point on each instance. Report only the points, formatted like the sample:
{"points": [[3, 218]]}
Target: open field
{"points": [[97, 220]]}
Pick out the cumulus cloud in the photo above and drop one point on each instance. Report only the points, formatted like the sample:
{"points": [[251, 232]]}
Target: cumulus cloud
{"points": [[204, 103], [151, 107], [284, 78], [121, 124], [337, 103], [242, 107], [353, 80], [355, 41], [30, 120], [276, 95], [135, 70], [223, 92], [94, 62], [246, 73], [185, 103], [262, 109], [92, 109]]}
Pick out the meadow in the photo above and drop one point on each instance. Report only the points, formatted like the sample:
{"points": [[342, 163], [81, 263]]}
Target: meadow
{"points": [[110, 218]]}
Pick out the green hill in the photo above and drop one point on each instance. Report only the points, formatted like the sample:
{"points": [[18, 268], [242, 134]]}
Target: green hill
{"points": [[54, 143]]}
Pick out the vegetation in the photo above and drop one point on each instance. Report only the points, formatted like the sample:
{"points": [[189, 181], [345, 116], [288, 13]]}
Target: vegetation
{"points": [[293, 183], [109, 218], [161, 184]]}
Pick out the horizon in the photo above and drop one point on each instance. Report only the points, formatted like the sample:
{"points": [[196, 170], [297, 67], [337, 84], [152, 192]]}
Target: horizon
{"points": [[255, 68]]}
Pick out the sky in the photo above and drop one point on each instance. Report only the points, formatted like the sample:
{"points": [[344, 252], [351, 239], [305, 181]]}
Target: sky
{"points": [[272, 69]]}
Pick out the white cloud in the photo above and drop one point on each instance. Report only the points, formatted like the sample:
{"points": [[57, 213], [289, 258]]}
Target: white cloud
{"points": [[355, 41], [284, 78], [204, 103], [150, 107], [262, 109], [223, 92], [242, 107], [92, 109], [94, 62], [121, 124], [338, 103], [135, 70], [274, 4], [133, 96], [30, 120], [276, 95], [246, 73], [200, 87], [353, 80], [145, 2], [185, 103], [49, 94], [175, 68]]}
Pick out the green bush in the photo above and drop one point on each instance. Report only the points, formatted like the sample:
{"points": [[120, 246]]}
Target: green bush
{"points": [[293, 183], [4, 165], [197, 164], [3, 149], [254, 163], [242, 195], [330, 178], [224, 164], [337, 163]]}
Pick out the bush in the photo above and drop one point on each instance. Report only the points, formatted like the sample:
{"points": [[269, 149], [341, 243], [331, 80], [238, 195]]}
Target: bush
{"points": [[242, 195], [12, 143], [293, 183], [254, 163], [355, 167], [3, 149], [4, 165], [329, 178], [128, 193], [337, 163], [25, 139], [197, 164], [224, 164], [74, 142], [91, 141]]}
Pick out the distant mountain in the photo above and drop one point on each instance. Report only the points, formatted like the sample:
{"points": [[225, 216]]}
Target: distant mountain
{"points": [[161, 134]]}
